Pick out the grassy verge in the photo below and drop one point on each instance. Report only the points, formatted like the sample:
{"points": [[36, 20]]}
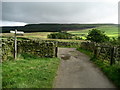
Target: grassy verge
{"points": [[112, 72], [29, 72]]}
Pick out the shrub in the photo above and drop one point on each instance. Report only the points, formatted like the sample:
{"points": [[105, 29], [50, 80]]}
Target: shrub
{"points": [[97, 36]]}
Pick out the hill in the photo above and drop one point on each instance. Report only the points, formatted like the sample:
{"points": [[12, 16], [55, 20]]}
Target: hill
{"points": [[50, 27]]}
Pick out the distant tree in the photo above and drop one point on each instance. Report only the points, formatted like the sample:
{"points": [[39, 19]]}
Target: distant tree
{"points": [[97, 36]]}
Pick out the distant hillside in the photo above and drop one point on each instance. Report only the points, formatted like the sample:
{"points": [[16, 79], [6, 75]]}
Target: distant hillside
{"points": [[50, 27]]}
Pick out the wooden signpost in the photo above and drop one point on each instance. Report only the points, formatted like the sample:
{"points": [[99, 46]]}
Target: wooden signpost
{"points": [[15, 41]]}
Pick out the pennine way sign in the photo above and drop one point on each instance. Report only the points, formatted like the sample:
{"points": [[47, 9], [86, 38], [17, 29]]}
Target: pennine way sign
{"points": [[15, 41]]}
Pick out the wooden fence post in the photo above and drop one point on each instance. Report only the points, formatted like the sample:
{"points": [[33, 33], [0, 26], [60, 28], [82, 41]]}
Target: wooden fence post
{"points": [[95, 51], [56, 49], [112, 61]]}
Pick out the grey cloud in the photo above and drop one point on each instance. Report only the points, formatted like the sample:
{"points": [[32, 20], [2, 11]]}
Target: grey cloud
{"points": [[39, 12]]}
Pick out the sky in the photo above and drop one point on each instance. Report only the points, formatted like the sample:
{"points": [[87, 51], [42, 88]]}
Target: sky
{"points": [[22, 13]]}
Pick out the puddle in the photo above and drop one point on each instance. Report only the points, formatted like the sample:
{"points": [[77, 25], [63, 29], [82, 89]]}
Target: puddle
{"points": [[65, 57]]}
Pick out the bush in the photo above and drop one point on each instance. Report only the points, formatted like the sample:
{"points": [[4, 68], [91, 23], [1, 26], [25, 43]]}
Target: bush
{"points": [[60, 35], [97, 36]]}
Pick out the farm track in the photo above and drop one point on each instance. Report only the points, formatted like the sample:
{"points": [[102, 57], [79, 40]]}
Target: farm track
{"points": [[77, 71]]}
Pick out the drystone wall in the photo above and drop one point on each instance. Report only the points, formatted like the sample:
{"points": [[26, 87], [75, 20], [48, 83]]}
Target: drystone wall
{"points": [[103, 51], [64, 44], [38, 48], [7, 49]]}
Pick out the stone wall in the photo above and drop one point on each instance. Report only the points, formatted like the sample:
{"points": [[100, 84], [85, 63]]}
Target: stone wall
{"points": [[88, 45], [7, 50], [104, 51], [38, 48], [64, 44]]}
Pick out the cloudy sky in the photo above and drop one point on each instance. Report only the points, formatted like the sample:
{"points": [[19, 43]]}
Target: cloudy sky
{"points": [[21, 13]]}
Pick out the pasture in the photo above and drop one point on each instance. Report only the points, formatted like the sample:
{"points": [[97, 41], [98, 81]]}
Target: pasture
{"points": [[42, 35], [111, 31]]}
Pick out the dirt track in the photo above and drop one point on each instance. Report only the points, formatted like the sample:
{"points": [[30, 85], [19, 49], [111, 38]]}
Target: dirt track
{"points": [[76, 71]]}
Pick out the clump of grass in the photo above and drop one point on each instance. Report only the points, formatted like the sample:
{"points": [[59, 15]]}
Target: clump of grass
{"points": [[112, 72], [29, 72]]}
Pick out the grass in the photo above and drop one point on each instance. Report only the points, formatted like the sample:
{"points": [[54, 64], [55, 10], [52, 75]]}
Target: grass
{"points": [[0, 76], [112, 72], [29, 72], [42, 35], [111, 31]]}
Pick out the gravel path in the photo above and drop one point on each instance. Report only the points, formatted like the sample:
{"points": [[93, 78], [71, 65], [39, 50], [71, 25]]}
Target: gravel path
{"points": [[76, 71]]}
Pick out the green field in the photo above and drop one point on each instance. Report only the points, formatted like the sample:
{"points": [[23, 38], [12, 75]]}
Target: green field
{"points": [[42, 35], [29, 72], [111, 31]]}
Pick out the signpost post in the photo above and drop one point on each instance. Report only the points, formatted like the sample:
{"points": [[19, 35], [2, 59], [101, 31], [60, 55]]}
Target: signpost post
{"points": [[15, 54], [15, 41]]}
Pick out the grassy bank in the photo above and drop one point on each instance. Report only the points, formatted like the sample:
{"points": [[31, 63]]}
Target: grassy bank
{"points": [[29, 72], [112, 72]]}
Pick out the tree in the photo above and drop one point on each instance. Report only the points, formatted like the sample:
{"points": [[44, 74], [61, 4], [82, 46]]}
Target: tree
{"points": [[97, 36]]}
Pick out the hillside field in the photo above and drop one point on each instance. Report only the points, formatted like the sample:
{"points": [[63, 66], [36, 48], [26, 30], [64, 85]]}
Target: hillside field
{"points": [[110, 30]]}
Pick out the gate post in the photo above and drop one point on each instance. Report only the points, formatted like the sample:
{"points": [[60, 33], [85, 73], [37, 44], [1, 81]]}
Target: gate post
{"points": [[56, 49], [112, 61], [95, 51]]}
